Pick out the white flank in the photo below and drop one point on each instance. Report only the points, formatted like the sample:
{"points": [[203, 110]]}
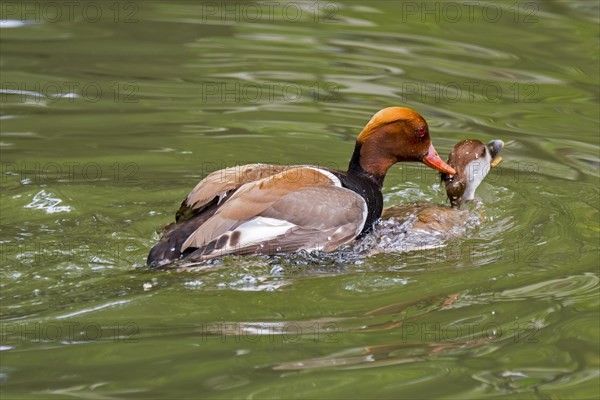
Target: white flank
{"points": [[475, 172], [260, 229]]}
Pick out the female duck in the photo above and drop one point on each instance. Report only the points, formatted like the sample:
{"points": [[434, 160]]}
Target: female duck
{"points": [[268, 209], [420, 226]]}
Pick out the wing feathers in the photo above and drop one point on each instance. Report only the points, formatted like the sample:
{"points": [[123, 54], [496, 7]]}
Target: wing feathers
{"points": [[218, 183], [259, 208], [310, 219], [253, 198]]}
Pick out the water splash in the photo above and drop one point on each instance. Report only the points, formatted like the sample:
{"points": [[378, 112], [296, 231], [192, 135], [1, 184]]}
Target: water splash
{"points": [[45, 201]]}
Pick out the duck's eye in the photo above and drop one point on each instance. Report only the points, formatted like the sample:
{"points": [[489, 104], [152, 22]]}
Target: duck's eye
{"points": [[420, 132]]}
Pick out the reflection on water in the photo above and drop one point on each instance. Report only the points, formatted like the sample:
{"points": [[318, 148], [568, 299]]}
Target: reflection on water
{"points": [[107, 124]]}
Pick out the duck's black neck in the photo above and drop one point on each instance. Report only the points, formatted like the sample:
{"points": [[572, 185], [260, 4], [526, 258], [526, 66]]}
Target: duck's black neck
{"points": [[354, 168]]}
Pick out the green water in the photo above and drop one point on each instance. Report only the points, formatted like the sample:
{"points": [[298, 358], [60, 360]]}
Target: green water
{"points": [[111, 113]]}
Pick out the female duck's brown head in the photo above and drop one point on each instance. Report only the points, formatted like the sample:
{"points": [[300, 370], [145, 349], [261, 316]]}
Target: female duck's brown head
{"points": [[393, 135], [472, 161]]}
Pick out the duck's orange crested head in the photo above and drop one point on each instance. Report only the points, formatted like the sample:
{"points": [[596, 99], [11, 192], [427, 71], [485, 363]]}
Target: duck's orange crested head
{"points": [[390, 115], [392, 135]]}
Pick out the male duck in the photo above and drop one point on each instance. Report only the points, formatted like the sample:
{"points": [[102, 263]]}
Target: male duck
{"points": [[268, 209]]}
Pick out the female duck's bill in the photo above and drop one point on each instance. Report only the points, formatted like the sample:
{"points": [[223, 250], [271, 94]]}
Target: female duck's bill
{"points": [[265, 209]]}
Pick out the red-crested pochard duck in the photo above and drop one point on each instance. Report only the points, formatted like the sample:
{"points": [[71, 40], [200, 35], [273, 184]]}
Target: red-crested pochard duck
{"points": [[269, 209], [417, 226]]}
